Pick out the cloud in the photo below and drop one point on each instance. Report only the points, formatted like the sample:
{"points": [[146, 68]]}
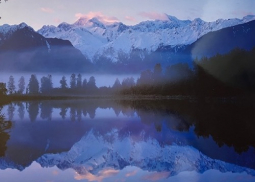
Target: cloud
{"points": [[241, 13], [154, 15], [57, 20], [130, 18], [47, 10], [100, 16]]}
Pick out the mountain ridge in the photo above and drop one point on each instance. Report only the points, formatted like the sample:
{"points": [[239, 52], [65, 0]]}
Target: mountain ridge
{"points": [[23, 49], [93, 38]]}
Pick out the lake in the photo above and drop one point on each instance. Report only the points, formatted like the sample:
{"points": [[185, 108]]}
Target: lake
{"points": [[127, 140]]}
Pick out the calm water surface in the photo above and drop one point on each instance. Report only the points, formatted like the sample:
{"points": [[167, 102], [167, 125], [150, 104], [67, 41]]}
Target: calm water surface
{"points": [[107, 140]]}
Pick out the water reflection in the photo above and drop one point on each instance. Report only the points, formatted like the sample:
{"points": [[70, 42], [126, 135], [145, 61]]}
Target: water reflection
{"points": [[46, 110], [33, 110], [113, 152], [5, 127], [92, 136], [11, 110], [21, 110]]}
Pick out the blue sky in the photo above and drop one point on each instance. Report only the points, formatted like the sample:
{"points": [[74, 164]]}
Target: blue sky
{"points": [[52, 12]]}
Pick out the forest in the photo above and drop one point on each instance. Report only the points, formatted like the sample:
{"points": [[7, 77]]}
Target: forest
{"points": [[228, 75]]}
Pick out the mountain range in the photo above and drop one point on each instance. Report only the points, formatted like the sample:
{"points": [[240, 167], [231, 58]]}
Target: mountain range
{"points": [[116, 46], [23, 49]]}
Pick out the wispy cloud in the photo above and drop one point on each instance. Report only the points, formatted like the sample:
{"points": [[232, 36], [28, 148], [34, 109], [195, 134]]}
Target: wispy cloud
{"points": [[100, 16], [242, 13], [130, 18], [154, 15], [47, 10], [57, 20]]}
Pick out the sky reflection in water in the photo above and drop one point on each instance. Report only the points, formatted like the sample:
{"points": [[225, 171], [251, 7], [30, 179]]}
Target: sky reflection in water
{"points": [[125, 138]]}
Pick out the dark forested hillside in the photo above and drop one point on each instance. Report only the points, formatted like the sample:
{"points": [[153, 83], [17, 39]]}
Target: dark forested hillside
{"points": [[26, 50]]}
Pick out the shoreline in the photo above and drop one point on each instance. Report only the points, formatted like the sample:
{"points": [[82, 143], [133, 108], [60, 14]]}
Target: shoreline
{"points": [[23, 98]]}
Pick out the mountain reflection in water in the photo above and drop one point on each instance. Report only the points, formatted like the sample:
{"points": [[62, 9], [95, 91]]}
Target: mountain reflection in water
{"points": [[91, 136]]}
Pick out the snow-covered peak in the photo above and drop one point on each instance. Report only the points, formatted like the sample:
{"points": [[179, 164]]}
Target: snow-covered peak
{"points": [[117, 26], [4, 29], [22, 25], [94, 38], [81, 21], [248, 18], [175, 20], [96, 23], [197, 22], [89, 23], [65, 26]]}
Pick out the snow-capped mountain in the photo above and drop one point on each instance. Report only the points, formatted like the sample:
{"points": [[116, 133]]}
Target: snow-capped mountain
{"points": [[23, 49], [7, 30], [94, 39], [95, 152]]}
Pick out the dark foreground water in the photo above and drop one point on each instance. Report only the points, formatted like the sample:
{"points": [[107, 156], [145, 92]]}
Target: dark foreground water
{"points": [[106, 140]]}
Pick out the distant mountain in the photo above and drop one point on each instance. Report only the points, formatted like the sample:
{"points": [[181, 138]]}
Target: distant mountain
{"points": [[218, 42], [117, 47], [23, 49], [113, 42], [224, 40]]}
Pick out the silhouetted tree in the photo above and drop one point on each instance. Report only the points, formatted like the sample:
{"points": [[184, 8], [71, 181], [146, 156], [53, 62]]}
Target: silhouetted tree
{"points": [[157, 74], [92, 83], [117, 84], [63, 83], [128, 82], [84, 83], [73, 81], [46, 84], [11, 85], [177, 72], [21, 85], [3, 89], [79, 81], [33, 85], [145, 78]]}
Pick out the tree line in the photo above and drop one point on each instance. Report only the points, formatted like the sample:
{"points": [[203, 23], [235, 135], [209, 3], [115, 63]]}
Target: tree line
{"points": [[232, 74], [77, 85]]}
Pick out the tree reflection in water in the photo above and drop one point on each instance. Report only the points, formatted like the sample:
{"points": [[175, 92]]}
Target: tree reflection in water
{"points": [[33, 110], [5, 127], [11, 109], [21, 110], [230, 124]]}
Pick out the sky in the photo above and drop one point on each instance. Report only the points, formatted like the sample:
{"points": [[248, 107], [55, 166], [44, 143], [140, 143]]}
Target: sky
{"points": [[53, 12]]}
